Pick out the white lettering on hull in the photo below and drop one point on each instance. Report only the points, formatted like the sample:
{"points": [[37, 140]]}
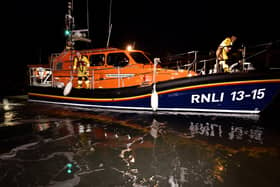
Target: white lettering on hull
{"points": [[207, 98], [235, 95]]}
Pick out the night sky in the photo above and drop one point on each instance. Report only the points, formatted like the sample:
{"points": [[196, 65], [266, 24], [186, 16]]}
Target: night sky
{"points": [[159, 27]]}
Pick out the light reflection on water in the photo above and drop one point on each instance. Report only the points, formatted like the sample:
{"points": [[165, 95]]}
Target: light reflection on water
{"points": [[43, 145]]}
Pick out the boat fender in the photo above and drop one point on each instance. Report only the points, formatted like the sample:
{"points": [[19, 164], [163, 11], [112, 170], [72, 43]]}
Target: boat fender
{"points": [[68, 87], [154, 99], [154, 96]]}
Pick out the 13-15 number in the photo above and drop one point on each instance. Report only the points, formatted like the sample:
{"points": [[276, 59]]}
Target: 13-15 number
{"points": [[255, 94]]}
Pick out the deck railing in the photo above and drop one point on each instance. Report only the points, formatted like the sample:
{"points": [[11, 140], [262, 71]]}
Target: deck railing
{"points": [[39, 76]]}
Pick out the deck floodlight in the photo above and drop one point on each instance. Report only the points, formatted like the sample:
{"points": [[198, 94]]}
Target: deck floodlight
{"points": [[129, 48]]}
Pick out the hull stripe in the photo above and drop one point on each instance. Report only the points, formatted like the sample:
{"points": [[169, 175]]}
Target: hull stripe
{"points": [[150, 109], [219, 84]]}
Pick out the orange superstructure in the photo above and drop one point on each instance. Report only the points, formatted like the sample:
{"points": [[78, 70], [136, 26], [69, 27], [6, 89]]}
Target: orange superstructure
{"points": [[111, 68]]}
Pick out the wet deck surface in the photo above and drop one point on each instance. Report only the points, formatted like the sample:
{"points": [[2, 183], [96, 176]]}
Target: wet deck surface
{"points": [[45, 145]]}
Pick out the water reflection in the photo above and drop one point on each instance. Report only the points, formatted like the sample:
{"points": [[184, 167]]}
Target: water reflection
{"points": [[66, 147], [8, 114], [235, 132]]}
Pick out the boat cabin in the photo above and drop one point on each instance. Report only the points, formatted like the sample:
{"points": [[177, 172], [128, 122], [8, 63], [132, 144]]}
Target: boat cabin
{"points": [[109, 68]]}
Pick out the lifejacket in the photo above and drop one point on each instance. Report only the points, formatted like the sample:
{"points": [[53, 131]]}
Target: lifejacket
{"points": [[81, 63]]}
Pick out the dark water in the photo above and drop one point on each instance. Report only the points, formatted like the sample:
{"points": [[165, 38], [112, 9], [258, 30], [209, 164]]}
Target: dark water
{"points": [[44, 145]]}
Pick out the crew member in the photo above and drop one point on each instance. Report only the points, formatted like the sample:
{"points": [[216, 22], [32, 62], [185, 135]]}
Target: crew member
{"points": [[81, 63], [222, 52]]}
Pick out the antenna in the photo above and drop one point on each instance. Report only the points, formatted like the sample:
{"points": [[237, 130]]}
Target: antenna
{"points": [[87, 19], [110, 24]]}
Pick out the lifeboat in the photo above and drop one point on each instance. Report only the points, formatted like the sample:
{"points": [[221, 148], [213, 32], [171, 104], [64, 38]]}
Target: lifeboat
{"points": [[127, 79]]}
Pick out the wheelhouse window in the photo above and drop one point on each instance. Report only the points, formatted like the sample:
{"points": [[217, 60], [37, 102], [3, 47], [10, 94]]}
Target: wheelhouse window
{"points": [[58, 66], [139, 58], [97, 60], [117, 59]]}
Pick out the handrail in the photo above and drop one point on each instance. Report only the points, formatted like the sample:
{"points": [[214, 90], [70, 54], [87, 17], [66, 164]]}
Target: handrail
{"points": [[40, 76]]}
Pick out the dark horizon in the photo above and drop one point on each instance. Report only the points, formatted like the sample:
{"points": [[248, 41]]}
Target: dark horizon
{"points": [[159, 28]]}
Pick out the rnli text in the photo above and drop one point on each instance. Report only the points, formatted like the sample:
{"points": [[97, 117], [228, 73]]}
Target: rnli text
{"points": [[207, 98]]}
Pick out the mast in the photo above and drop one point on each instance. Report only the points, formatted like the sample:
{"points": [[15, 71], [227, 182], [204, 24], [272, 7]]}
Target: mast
{"points": [[69, 25], [110, 24], [77, 34]]}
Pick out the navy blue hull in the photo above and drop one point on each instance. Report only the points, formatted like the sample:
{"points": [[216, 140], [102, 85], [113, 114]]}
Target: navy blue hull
{"points": [[247, 97], [226, 93]]}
